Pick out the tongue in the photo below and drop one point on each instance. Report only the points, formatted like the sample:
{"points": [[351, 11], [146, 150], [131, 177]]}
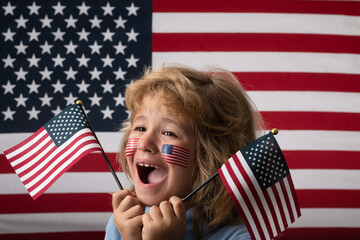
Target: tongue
{"points": [[155, 176]]}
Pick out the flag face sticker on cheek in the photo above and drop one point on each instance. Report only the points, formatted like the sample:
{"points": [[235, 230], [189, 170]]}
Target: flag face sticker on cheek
{"points": [[175, 155], [131, 147]]}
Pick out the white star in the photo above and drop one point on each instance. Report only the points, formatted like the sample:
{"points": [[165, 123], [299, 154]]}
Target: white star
{"points": [[83, 61], [46, 48], [8, 113], [108, 9], [120, 22], [132, 61], [9, 35], [20, 101], [70, 74], [46, 22], [59, 9], [107, 35], [95, 100], [33, 35], [107, 61], [120, 74], [83, 35], [33, 87], [56, 111], [21, 48], [95, 22], [58, 61], [45, 100], [107, 112], [58, 35], [107, 87], [95, 48], [45, 74], [120, 48], [95, 74], [21, 22], [34, 9], [58, 87], [8, 88], [20, 74], [70, 48], [83, 86], [33, 113], [71, 22], [83, 9], [9, 9], [120, 100], [9, 61], [33, 61], [70, 99], [132, 35], [132, 9]]}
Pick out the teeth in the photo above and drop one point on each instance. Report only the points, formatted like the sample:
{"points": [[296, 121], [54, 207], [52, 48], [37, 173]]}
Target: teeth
{"points": [[146, 165]]}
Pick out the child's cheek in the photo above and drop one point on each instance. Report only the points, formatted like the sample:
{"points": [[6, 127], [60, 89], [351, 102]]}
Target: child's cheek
{"points": [[131, 147], [175, 155]]}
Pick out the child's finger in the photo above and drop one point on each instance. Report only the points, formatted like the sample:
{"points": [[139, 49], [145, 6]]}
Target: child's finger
{"points": [[118, 196], [178, 207], [166, 210], [155, 213]]}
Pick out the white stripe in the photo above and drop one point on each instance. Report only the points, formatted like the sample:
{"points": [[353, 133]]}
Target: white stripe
{"points": [[328, 217], [326, 179], [288, 140], [240, 200], [53, 222], [249, 194], [58, 170], [87, 182], [26, 146], [283, 203], [291, 199], [276, 208], [264, 61], [255, 23], [311, 101]]}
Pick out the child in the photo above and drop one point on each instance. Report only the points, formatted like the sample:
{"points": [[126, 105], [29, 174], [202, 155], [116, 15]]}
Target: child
{"points": [[184, 125]]}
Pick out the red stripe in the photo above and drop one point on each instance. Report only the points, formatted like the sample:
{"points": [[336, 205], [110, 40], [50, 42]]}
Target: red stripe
{"points": [[55, 236], [312, 121], [322, 159], [248, 42], [93, 162], [256, 196], [278, 81], [241, 188], [279, 205], [34, 135], [262, 6], [294, 195], [56, 203], [324, 198], [272, 210], [321, 233]]}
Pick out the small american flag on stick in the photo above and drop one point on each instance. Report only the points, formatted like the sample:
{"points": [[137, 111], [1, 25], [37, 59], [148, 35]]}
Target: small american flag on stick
{"points": [[259, 182], [43, 157]]}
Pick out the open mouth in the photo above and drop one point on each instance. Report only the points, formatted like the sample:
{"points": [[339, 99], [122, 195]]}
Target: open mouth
{"points": [[150, 174]]}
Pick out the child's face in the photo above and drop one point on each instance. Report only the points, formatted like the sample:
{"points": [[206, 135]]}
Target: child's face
{"points": [[157, 179]]}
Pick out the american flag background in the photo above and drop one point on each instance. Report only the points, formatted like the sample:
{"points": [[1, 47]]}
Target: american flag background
{"points": [[298, 60]]}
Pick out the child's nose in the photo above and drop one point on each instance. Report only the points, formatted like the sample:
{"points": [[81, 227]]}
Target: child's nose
{"points": [[147, 143]]}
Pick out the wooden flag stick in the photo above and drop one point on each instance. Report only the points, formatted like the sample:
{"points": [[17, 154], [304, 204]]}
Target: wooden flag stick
{"points": [[79, 102]]}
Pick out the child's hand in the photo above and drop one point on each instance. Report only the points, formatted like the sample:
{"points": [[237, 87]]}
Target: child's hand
{"points": [[127, 214], [168, 221]]}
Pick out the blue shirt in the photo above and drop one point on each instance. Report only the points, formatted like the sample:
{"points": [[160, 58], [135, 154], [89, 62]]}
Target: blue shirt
{"points": [[233, 232]]}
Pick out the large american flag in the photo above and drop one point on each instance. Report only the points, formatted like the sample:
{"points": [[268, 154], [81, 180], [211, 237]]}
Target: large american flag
{"points": [[299, 61]]}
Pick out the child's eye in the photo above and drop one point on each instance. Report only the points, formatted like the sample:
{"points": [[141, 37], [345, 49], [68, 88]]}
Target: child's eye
{"points": [[140, 129], [170, 134]]}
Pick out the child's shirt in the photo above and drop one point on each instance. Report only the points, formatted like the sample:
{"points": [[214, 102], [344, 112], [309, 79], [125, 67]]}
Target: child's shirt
{"points": [[233, 232]]}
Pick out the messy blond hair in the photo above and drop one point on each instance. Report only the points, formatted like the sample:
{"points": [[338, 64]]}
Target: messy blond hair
{"points": [[223, 119]]}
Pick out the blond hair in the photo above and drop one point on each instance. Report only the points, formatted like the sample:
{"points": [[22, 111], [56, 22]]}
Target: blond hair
{"points": [[223, 119]]}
